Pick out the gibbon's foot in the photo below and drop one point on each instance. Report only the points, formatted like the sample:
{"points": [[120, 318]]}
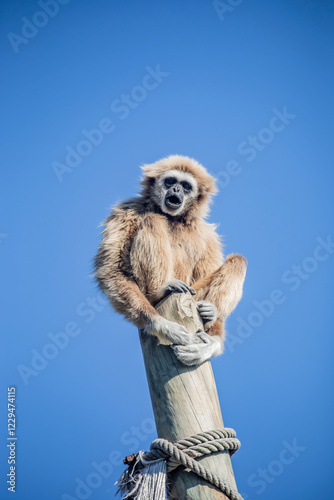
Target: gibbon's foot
{"points": [[196, 354], [171, 332], [207, 311]]}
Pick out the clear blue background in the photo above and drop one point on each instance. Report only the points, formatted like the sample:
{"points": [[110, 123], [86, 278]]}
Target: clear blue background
{"points": [[225, 78]]}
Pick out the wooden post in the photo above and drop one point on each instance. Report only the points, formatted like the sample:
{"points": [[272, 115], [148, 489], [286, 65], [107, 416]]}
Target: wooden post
{"points": [[184, 401]]}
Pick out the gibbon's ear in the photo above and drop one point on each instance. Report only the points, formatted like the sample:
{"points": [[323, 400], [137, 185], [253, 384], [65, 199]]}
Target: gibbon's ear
{"points": [[206, 183], [152, 170]]}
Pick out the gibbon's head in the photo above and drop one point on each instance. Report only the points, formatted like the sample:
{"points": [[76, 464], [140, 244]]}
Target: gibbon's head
{"points": [[178, 186]]}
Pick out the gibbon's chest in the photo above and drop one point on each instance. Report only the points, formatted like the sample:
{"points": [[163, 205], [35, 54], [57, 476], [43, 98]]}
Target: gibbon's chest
{"points": [[185, 251], [162, 252]]}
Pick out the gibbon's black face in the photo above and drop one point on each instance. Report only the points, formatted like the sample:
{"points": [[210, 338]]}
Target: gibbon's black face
{"points": [[175, 191]]}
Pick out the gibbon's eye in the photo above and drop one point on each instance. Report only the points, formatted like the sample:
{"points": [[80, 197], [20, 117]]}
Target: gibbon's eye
{"points": [[169, 181], [186, 186]]}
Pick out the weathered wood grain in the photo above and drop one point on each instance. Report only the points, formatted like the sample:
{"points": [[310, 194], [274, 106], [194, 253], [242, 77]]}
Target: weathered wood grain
{"points": [[184, 401]]}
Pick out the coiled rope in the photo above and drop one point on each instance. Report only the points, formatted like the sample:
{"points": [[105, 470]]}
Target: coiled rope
{"points": [[170, 456]]}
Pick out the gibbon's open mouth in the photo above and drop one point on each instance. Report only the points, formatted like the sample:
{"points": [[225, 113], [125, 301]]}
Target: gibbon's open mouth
{"points": [[173, 201]]}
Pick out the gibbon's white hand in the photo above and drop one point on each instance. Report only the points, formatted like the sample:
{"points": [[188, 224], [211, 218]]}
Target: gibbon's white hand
{"points": [[198, 353], [171, 332], [207, 311], [178, 286], [173, 286]]}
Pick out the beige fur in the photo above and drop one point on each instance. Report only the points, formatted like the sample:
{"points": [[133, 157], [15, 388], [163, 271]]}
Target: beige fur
{"points": [[143, 247]]}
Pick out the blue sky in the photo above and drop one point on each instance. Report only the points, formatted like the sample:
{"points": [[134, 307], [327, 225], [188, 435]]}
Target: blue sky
{"points": [[92, 90]]}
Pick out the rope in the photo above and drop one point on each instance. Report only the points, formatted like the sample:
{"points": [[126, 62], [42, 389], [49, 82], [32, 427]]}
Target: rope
{"points": [[185, 452]]}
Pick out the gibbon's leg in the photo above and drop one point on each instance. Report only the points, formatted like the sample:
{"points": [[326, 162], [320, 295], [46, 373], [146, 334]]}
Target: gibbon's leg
{"points": [[219, 294], [223, 288]]}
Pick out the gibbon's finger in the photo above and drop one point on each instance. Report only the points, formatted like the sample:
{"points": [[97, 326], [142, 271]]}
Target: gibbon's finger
{"points": [[205, 305], [198, 349], [189, 340], [211, 312], [184, 358], [206, 311], [172, 331], [207, 318], [190, 358], [178, 288], [195, 343], [186, 340], [185, 287], [188, 288], [181, 336], [205, 338], [186, 349], [180, 328], [191, 290]]}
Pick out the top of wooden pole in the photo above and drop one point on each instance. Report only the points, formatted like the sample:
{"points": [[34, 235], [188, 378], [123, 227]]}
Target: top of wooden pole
{"points": [[185, 401]]}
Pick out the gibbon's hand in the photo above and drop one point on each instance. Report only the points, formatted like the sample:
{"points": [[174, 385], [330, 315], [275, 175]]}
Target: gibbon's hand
{"points": [[172, 286], [196, 354], [177, 286], [171, 331], [207, 311]]}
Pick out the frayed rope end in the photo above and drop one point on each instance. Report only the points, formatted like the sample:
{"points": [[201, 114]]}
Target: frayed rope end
{"points": [[143, 480]]}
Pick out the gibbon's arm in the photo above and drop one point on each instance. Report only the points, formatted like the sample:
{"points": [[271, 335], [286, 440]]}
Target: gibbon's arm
{"points": [[114, 276]]}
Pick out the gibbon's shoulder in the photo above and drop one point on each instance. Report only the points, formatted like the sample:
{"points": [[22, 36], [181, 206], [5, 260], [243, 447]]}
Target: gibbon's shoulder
{"points": [[208, 232], [133, 209], [205, 227]]}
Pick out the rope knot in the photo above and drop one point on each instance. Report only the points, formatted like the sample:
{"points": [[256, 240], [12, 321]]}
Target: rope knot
{"points": [[165, 456]]}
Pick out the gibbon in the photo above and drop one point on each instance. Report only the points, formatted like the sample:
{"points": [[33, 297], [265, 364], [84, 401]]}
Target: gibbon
{"points": [[160, 243]]}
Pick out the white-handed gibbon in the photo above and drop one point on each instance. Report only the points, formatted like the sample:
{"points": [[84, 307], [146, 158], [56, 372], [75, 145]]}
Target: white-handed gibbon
{"points": [[159, 243]]}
